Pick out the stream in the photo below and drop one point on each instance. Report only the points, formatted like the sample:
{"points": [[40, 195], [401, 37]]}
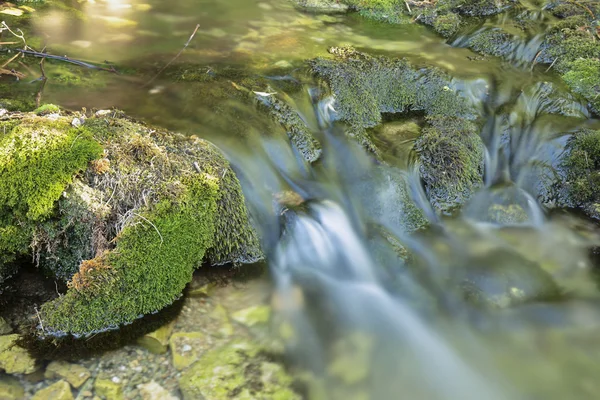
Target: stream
{"points": [[375, 303]]}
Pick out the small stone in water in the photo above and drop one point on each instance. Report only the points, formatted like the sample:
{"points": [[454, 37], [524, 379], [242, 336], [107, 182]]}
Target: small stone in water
{"points": [[116, 379]]}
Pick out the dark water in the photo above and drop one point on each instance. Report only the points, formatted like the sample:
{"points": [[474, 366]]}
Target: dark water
{"points": [[368, 321]]}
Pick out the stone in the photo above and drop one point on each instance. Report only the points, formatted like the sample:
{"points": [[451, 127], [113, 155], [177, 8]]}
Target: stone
{"points": [[187, 347], [203, 291], [75, 374], [220, 313], [57, 391], [11, 388], [15, 359], [153, 391], [5, 327], [236, 371], [251, 316], [157, 342], [108, 390]]}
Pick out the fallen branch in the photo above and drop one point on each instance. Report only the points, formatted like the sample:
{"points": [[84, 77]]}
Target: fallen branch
{"points": [[66, 59], [12, 72], [174, 58]]}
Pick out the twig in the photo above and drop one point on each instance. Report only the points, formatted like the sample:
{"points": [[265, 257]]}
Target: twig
{"points": [[552, 65], [583, 6], [38, 96], [19, 36], [154, 226], [174, 58], [39, 318], [408, 7], [9, 61], [11, 72], [66, 59], [2, 43], [535, 59]]}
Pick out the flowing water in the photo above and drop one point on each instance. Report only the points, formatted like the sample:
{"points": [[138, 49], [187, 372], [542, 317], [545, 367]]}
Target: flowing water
{"points": [[371, 308]]}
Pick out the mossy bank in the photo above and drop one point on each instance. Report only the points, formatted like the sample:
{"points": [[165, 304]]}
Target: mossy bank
{"points": [[120, 211]]}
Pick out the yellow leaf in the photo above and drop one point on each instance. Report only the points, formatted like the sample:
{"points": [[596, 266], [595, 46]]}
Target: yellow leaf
{"points": [[12, 11]]}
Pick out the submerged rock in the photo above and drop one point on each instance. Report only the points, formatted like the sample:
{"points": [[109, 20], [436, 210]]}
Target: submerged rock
{"points": [[236, 371], [75, 374], [107, 389], [188, 347], [11, 388], [157, 342], [57, 391], [503, 279], [121, 211], [13, 358]]}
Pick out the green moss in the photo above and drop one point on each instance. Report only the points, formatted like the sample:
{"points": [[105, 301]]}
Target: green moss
{"points": [[583, 77], [447, 24], [151, 264], [365, 87], [150, 211], [47, 109], [582, 168], [38, 159], [493, 42], [451, 161]]}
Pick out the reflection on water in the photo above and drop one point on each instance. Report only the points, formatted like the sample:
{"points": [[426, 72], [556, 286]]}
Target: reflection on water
{"points": [[380, 296]]}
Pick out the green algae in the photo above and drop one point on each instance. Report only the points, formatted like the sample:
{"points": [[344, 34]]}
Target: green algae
{"points": [[236, 370]]}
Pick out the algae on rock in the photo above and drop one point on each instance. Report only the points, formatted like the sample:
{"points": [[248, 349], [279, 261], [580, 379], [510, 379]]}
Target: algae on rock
{"points": [[236, 370]]}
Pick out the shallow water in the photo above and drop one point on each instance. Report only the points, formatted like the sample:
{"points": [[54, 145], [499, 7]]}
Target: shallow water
{"points": [[367, 321]]}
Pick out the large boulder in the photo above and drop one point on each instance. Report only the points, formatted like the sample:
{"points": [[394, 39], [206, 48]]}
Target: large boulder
{"points": [[120, 211]]}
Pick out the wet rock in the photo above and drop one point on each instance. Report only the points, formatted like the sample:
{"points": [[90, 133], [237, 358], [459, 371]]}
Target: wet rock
{"points": [[220, 314], [451, 155], [107, 389], [501, 279], [236, 371], [255, 315], [580, 170], [57, 391], [157, 342], [75, 374], [187, 347], [11, 388], [105, 239], [15, 359], [5, 327], [153, 391]]}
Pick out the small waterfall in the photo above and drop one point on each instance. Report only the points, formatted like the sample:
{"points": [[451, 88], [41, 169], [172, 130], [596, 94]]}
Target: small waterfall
{"points": [[368, 307]]}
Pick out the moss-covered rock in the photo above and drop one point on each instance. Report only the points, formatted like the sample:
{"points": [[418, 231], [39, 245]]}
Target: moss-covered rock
{"points": [[583, 77], [236, 371], [451, 161], [108, 205], [172, 201], [13, 358], [38, 159], [580, 167], [366, 86]]}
